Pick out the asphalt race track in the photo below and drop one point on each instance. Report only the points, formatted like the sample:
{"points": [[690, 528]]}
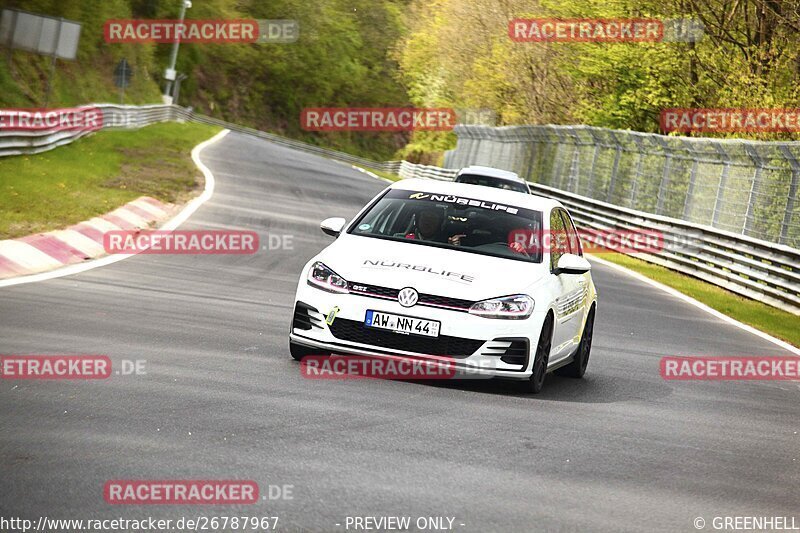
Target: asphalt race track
{"points": [[621, 450]]}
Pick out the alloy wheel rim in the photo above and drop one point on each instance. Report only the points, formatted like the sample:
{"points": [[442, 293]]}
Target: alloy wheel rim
{"points": [[542, 349], [586, 344]]}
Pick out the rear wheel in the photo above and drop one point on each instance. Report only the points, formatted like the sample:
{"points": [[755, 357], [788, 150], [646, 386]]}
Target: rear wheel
{"points": [[577, 368], [299, 351], [541, 357]]}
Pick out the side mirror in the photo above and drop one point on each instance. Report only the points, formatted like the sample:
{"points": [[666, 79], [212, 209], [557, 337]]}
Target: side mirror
{"points": [[332, 226], [572, 264]]}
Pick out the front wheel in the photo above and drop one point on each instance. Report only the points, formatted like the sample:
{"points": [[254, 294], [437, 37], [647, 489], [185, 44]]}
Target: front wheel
{"points": [[542, 356], [577, 368]]}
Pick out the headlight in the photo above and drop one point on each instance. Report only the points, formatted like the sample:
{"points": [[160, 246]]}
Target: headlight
{"points": [[324, 278], [513, 307]]}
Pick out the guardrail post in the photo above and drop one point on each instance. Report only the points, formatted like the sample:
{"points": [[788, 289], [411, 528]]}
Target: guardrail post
{"points": [[687, 202], [519, 150], [575, 168], [557, 158], [723, 182], [479, 146], [490, 141], [787, 216], [590, 184], [615, 169], [638, 172], [662, 187], [500, 158], [533, 146], [513, 149], [755, 185]]}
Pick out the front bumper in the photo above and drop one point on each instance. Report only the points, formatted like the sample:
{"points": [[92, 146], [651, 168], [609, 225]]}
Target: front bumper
{"points": [[476, 346]]}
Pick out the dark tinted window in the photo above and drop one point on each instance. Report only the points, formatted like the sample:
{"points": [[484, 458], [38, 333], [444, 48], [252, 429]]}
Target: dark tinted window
{"points": [[446, 221], [488, 181]]}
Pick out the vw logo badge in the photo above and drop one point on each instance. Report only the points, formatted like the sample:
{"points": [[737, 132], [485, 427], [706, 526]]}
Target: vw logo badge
{"points": [[408, 297]]}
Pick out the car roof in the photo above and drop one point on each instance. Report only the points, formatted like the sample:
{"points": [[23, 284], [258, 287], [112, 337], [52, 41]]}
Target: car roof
{"points": [[491, 172], [478, 192]]}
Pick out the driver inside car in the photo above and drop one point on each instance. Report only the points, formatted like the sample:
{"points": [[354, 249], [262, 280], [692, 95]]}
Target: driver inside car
{"points": [[428, 227]]}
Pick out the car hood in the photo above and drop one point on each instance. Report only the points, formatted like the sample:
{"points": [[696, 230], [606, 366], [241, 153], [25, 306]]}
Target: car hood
{"points": [[428, 269]]}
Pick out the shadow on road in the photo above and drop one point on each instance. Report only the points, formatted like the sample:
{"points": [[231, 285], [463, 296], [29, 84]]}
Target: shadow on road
{"points": [[594, 388]]}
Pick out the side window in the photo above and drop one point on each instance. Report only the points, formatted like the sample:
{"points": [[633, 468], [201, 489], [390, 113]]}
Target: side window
{"points": [[557, 240], [572, 235]]}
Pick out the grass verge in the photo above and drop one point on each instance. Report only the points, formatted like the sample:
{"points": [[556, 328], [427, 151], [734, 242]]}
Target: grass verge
{"points": [[775, 322], [97, 174]]}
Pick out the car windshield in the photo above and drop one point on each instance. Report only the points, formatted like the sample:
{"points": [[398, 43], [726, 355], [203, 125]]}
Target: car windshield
{"points": [[447, 221], [488, 181]]}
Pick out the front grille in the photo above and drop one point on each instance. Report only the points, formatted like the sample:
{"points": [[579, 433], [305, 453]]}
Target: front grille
{"points": [[353, 331], [428, 300], [444, 301], [374, 291]]}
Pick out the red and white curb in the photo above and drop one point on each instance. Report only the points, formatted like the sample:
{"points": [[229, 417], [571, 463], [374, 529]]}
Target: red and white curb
{"points": [[79, 248], [47, 251]]}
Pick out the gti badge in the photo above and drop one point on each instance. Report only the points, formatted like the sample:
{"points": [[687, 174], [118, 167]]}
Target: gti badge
{"points": [[408, 297]]}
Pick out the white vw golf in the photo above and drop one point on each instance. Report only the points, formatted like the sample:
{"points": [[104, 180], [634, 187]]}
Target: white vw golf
{"points": [[491, 279]]}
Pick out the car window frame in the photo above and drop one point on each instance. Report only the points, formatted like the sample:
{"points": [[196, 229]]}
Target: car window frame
{"points": [[573, 239], [357, 220], [553, 260]]}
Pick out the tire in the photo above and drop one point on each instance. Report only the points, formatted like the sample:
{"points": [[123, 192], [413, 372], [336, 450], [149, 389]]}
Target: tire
{"points": [[299, 351], [542, 356], [577, 368]]}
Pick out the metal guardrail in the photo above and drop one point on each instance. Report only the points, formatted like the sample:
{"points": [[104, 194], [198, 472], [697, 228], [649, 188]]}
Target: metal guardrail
{"points": [[129, 116], [741, 186], [763, 271], [412, 170], [754, 268], [759, 270], [15, 142]]}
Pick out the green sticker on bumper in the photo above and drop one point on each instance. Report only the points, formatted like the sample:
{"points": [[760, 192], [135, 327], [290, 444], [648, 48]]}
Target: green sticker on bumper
{"points": [[332, 315]]}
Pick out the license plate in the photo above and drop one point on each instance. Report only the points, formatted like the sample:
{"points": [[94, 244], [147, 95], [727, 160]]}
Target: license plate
{"points": [[402, 324]]}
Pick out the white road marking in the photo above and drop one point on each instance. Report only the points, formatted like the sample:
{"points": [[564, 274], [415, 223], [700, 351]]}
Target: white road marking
{"points": [[102, 224], [79, 241], [27, 256], [130, 216], [149, 208], [368, 173]]}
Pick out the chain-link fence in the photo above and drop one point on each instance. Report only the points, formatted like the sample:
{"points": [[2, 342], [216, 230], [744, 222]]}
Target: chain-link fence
{"points": [[745, 187]]}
